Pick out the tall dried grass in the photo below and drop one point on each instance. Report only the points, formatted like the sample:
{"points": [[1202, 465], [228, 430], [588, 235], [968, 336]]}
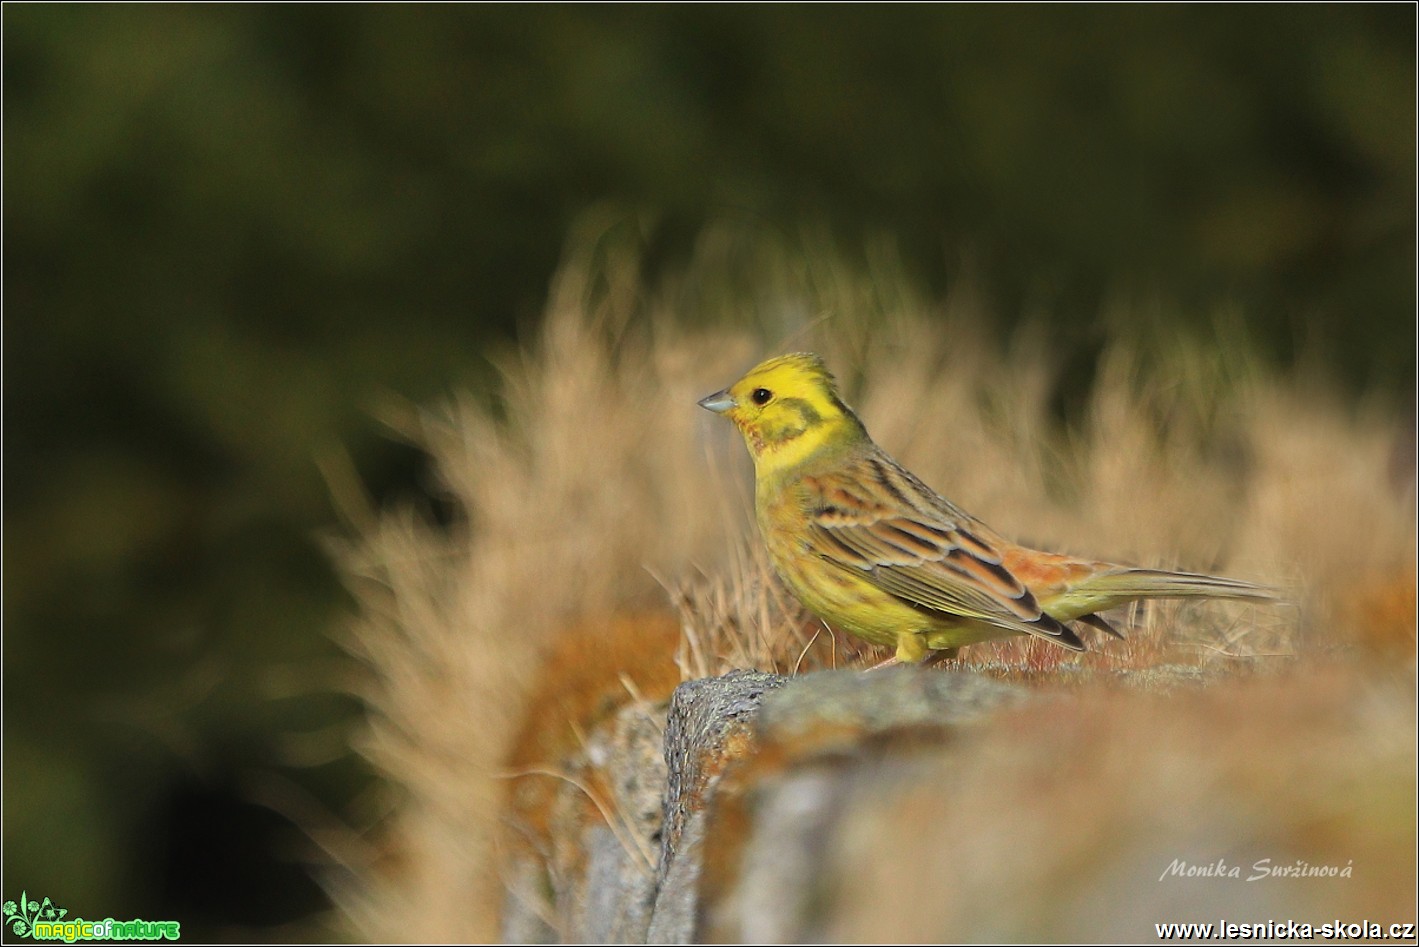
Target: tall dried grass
{"points": [[590, 485]]}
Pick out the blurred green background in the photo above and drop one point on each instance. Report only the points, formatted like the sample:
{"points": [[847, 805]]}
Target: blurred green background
{"points": [[228, 231]]}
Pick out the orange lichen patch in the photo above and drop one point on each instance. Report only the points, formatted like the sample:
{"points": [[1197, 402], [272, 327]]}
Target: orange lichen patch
{"points": [[721, 857], [1382, 611], [738, 750], [722, 854], [591, 670]]}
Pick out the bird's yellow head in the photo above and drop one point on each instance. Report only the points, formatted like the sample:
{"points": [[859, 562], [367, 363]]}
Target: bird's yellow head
{"points": [[788, 409]]}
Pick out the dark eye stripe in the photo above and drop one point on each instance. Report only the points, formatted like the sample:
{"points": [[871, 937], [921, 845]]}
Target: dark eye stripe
{"points": [[804, 410]]}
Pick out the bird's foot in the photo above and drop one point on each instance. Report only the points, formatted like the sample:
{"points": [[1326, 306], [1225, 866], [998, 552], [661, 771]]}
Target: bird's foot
{"points": [[930, 660], [938, 657]]}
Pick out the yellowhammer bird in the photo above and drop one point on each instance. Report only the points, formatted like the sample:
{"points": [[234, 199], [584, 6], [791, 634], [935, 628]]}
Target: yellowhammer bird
{"points": [[875, 552]]}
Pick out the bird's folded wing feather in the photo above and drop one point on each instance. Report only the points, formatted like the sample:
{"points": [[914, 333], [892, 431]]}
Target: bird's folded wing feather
{"points": [[894, 531]]}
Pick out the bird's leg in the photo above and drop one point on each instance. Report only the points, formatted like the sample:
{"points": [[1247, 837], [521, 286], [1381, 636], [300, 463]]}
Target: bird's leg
{"points": [[882, 664], [911, 649], [937, 657]]}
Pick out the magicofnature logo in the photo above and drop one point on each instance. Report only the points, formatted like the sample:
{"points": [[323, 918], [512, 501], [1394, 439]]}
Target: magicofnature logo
{"points": [[45, 920]]}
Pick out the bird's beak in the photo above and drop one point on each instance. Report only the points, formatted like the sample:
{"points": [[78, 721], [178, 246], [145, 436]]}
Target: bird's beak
{"points": [[719, 402]]}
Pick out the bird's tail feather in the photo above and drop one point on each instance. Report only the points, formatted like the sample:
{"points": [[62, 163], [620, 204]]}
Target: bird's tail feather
{"points": [[1129, 584]]}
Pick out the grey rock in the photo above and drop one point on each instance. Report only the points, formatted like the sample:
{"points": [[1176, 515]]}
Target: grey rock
{"points": [[611, 902], [843, 736], [709, 722], [872, 704]]}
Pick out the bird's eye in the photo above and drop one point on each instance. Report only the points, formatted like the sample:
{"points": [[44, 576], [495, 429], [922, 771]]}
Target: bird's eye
{"points": [[761, 395]]}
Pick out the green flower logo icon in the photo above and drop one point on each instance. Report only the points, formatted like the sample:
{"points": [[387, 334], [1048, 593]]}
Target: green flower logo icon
{"points": [[21, 917]]}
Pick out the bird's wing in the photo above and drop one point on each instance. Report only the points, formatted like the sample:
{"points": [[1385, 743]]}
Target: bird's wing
{"points": [[880, 521]]}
